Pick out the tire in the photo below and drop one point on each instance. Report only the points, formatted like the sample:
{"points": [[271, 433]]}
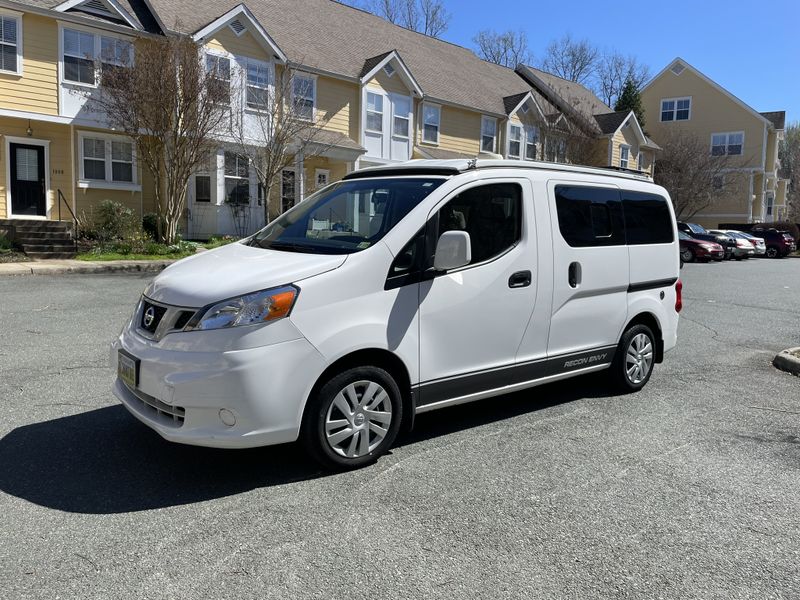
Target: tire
{"points": [[636, 348], [339, 431], [772, 252], [687, 255]]}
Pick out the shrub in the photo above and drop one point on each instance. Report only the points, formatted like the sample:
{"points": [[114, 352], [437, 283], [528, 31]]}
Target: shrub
{"points": [[114, 221], [5, 243], [150, 225]]}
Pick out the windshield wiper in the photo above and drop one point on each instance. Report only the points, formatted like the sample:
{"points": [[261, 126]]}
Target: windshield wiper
{"points": [[290, 246]]}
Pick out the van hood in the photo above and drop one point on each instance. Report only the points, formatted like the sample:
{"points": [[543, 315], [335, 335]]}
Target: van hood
{"points": [[234, 270]]}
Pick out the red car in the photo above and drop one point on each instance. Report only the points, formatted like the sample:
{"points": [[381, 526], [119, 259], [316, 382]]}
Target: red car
{"points": [[699, 250]]}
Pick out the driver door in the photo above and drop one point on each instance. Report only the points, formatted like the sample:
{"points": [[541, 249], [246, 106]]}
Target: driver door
{"points": [[472, 319]]}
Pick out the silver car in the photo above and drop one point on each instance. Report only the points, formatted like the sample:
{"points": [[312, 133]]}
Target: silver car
{"points": [[760, 245]]}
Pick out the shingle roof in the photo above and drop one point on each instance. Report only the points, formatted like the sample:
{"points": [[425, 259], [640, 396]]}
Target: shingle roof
{"points": [[336, 38], [511, 102], [136, 9], [580, 97], [373, 62], [610, 122], [777, 118]]}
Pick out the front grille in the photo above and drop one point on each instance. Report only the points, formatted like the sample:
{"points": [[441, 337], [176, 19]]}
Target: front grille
{"points": [[162, 413], [151, 316]]}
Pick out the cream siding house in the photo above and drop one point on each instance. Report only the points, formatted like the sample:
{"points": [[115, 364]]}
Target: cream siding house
{"points": [[680, 99]]}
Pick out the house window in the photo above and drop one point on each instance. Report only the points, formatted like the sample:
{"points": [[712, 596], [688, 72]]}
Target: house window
{"points": [[727, 143], [288, 183], [531, 139], [259, 78], [514, 141], [770, 203], [718, 182], [488, 134], [374, 112], [115, 53], [431, 117], [624, 156], [322, 177], [237, 178], [402, 112], [110, 160], [79, 55], [219, 69], [304, 95], [675, 109], [10, 40], [640, 161], [202, 188]]}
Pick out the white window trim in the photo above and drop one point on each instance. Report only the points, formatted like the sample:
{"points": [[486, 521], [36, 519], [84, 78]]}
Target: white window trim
{"points": [[243, 63], [317, 173], [438, 108], [674, 110], [97, 45], [280, 188], [313, 78], [485, 119], [524, 149], [108, 183], [231, 66], [521, 141], [382, 112], [727, 135], [406, 116], [32, 142], [627, 164], [18, 18]]}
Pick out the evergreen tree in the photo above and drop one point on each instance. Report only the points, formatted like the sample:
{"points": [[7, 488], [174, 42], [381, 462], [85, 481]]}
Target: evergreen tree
{"points": [[630, 99]]}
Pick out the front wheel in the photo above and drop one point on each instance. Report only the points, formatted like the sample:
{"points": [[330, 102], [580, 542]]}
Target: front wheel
{"points": [[687, 255], [353, 418], [633, 363]]}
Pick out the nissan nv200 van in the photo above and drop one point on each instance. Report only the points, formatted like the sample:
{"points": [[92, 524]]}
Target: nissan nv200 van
{"points": [[401, 290]]}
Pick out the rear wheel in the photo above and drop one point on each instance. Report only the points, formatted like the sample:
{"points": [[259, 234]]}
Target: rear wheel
{"points": [[353, 418], [687, 255], [634, 360], [772, 252]]}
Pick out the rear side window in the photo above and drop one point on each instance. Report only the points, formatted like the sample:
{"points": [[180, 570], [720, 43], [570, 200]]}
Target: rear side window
{"points": [[647, 218], [590, 216], [491, 214]]}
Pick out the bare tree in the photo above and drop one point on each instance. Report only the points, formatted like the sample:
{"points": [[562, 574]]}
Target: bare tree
{"points": [[425, 16], [694, 177], [280, 125], [508, 48], [789, 155], [434, 19], [613, 70], [575, 60], [170, 105]]}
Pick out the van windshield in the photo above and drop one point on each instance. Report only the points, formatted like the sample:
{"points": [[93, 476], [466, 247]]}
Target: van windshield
{"points": [[345, 217]]}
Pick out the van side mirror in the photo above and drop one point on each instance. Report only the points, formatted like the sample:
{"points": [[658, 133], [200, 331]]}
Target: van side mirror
{"points": [[453, 250]]}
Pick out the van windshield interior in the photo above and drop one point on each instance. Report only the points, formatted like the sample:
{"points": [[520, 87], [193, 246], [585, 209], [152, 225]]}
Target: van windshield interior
{"points": [[345, 217]]}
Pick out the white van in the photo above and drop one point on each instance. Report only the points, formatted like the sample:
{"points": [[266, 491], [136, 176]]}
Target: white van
{"points": [[400, 290]]}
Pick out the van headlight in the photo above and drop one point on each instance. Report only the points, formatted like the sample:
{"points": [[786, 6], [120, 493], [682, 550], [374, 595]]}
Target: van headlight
{"points": [[251, 309]]}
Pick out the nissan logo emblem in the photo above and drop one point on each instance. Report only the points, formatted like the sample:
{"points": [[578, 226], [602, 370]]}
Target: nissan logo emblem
{"points": [[149, 317]]}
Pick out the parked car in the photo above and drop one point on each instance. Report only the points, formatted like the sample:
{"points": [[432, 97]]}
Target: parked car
{"points": [[699, 250], [760, 246], [744, 248], [699, 233], [779, 243], [456, 287]]}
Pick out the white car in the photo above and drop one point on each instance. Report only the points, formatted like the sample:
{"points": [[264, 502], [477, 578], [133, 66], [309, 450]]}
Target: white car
{"points": [[401, 290]]}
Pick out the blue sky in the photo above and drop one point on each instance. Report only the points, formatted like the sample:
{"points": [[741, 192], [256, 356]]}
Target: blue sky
{"points": [[750, 48]]}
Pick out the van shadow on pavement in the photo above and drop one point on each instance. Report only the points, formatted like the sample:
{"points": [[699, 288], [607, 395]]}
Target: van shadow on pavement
{"points": [[104, 461]]}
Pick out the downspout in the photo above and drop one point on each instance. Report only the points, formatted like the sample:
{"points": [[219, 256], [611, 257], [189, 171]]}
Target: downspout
{"points": [[73, 181]]}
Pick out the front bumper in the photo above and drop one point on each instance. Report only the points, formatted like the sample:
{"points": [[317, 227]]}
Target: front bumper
{"points": [[184, 395]]}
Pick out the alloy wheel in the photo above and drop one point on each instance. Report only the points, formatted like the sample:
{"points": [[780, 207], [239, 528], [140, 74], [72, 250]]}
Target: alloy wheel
{"points": [[358, 419], [639, 358], [687, 255]]}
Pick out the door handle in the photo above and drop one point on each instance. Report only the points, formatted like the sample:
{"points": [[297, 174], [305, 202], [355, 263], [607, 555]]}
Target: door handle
{"points": [[520, 279], [574, 274]]}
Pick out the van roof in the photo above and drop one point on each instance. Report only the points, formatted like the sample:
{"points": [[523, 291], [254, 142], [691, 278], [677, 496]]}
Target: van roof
{"points": [[458, 166]]}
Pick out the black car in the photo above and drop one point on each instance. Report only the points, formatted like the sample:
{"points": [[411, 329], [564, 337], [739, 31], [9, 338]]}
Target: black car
{"points": [[778, 243], [699, 232]]}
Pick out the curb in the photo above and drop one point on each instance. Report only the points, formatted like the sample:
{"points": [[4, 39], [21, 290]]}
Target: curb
{"points": [[788, 361], [42, 268]]}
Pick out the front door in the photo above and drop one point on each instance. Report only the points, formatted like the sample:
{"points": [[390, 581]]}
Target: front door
{"points": [[28, 187], [472, 319]]}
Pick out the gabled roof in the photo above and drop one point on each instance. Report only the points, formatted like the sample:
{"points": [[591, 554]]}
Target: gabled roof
{"points": [[112, 9], [776, 117], [239, 12], [376, 63], [686, 66], [333, 38], [609, 123]]}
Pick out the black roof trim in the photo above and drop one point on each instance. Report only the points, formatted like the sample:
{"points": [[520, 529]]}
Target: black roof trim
{"points": [[402, 171]]}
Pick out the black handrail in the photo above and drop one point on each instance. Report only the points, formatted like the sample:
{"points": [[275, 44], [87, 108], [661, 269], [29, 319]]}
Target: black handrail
{"points": [[61, 198]]}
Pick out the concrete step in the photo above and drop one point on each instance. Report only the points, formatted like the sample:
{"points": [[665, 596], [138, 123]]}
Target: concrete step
{"points": [[44, 227], [33, 237], [28, 248], [46, 255]]}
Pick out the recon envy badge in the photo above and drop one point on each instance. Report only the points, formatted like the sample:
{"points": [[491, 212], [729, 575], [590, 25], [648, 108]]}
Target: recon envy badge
{"points": [[586, 360]]}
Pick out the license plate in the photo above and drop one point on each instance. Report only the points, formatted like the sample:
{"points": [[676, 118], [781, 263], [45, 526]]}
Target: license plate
{"points": [[128, 369]]}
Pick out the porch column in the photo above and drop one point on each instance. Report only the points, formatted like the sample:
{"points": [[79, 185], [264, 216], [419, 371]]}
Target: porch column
{"points": [[299, 179]]}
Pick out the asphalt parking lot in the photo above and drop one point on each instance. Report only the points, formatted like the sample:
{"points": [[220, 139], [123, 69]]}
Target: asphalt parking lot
{"points": [[689, 489]]}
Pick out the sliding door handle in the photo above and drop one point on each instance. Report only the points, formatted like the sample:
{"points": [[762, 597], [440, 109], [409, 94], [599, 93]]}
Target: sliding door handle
{"points": [[574, 274]]}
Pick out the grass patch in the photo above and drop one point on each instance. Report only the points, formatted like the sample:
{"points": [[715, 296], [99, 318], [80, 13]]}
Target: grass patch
{"points": [[217, 241], [106, 256]]}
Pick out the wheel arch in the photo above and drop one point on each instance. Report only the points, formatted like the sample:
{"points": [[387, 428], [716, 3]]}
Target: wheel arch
{"points": [[374, 357], [649, 319]]}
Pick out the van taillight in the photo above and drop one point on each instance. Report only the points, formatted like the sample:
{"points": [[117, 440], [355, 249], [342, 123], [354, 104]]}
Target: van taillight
{"points": [[678, 296]]}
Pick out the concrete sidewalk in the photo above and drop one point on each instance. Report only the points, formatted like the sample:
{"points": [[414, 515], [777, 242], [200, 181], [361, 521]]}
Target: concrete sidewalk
{"points": [[58, 267]]}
